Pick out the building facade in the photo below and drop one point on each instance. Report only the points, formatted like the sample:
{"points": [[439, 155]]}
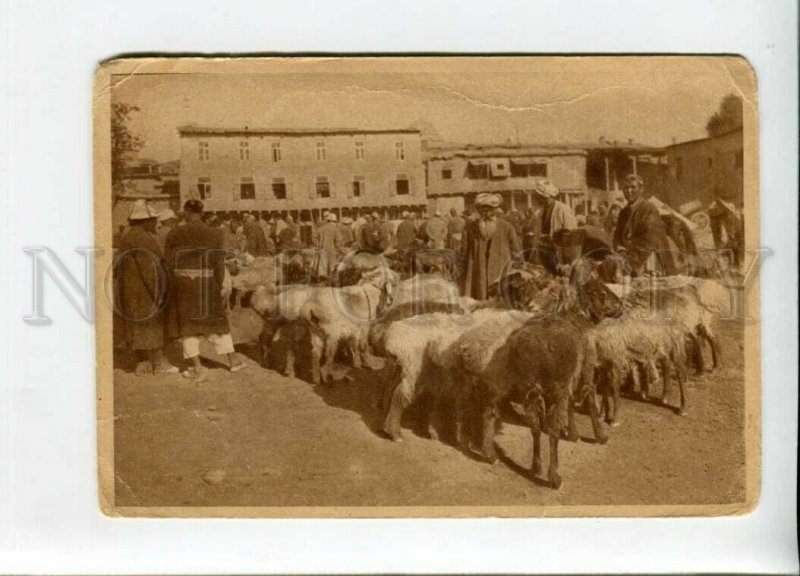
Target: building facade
{"points": [[302, 172], [456, 175], [144, 179]]}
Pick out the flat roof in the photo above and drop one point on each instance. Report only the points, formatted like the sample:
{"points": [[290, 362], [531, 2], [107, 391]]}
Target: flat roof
{"points": [[248, 131], [728, 133], [508, 151]]}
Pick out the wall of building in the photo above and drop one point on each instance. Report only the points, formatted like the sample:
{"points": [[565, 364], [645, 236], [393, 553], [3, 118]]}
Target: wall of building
{"points": [[698, 168], [567, 172], [299, 167]]}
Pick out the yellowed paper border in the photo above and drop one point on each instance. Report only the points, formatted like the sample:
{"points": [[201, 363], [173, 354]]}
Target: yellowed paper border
{"points": [[742, 76]]}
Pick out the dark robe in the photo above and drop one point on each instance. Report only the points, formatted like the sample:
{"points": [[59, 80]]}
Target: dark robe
{"points": [[640, 230], [142, 290], [256, 243], [487, 257], [406, 235], [455, 233], [196, 261], [327, 239], [371, 235]]}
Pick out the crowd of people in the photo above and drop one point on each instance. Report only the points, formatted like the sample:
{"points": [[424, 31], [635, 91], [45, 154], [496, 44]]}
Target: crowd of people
{"points": [[170, 270]]}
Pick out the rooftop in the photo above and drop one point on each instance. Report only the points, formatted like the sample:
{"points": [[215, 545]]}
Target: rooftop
{"points": [[248, 131], [729, 132], [506, 150]]}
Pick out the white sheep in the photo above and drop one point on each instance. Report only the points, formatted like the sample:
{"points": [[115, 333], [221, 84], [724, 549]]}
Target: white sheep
{"points": [[343, 314], [623, 345], [404, 342], [692, 302]]}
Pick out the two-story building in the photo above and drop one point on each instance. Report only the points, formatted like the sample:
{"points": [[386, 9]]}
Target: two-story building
{"points": [[456, 175], [302, 172]]}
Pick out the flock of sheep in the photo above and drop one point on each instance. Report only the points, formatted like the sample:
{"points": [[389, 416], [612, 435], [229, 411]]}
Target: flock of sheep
{"points": [[541, 346]]}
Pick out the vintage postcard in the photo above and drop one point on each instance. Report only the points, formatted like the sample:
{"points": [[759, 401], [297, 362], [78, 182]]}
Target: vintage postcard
{"points": [[427, 286]]}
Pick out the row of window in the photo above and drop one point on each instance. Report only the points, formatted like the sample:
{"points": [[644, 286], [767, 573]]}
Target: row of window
{"points": [[514, 170], [322, 187], [359, 151]]}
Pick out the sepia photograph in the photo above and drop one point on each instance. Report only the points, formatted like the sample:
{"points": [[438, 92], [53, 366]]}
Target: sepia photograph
{"points": [[462, 286]]}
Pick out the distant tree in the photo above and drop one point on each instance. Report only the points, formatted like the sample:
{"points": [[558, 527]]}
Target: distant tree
{"points": [[728, 117], [123, 141]]}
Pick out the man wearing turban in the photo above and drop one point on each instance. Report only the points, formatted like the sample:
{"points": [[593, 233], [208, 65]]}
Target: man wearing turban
{"points": [[490, 242]]}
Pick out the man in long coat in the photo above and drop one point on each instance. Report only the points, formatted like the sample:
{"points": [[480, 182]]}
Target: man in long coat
{"points": [[490, 244], [196, 260], [142, 290], [371, 233], [640, 233], [455, 231], [347, 237], [326, 240], [385, 235], [256, 243], [436, 229]]}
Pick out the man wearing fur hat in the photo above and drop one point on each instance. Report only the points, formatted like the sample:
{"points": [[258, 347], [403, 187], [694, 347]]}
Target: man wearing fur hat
{"points": [[143, 290], [490, 244], [196, 259]]}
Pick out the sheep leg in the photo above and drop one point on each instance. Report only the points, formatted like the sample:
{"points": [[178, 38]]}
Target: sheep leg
{"points": [[461, 414], [666, 376], [713, 341], [488, 451], [391, 425], [651, 376], [552, 473], [288, 367], [597, 426], [638, 383], [353, 349], [316, 353], [330, 354], [680, 374], [367, 358], [697, 353], [572, 428], [606, 407], [536, 465], [615, 381], [430, 416]]}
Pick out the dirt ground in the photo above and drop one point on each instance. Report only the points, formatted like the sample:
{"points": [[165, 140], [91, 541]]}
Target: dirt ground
{"points": [[257, 438]]}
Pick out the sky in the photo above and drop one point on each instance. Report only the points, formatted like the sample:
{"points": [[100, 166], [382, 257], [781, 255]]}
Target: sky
{"points": [[652, 100]]}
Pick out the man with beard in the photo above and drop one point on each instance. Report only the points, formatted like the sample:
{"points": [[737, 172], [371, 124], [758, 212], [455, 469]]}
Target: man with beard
{"points": [[490, 244]]}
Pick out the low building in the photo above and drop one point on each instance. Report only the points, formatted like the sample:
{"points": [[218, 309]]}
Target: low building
{"points": [[300, 172], [145, 179], [456, 175]]}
